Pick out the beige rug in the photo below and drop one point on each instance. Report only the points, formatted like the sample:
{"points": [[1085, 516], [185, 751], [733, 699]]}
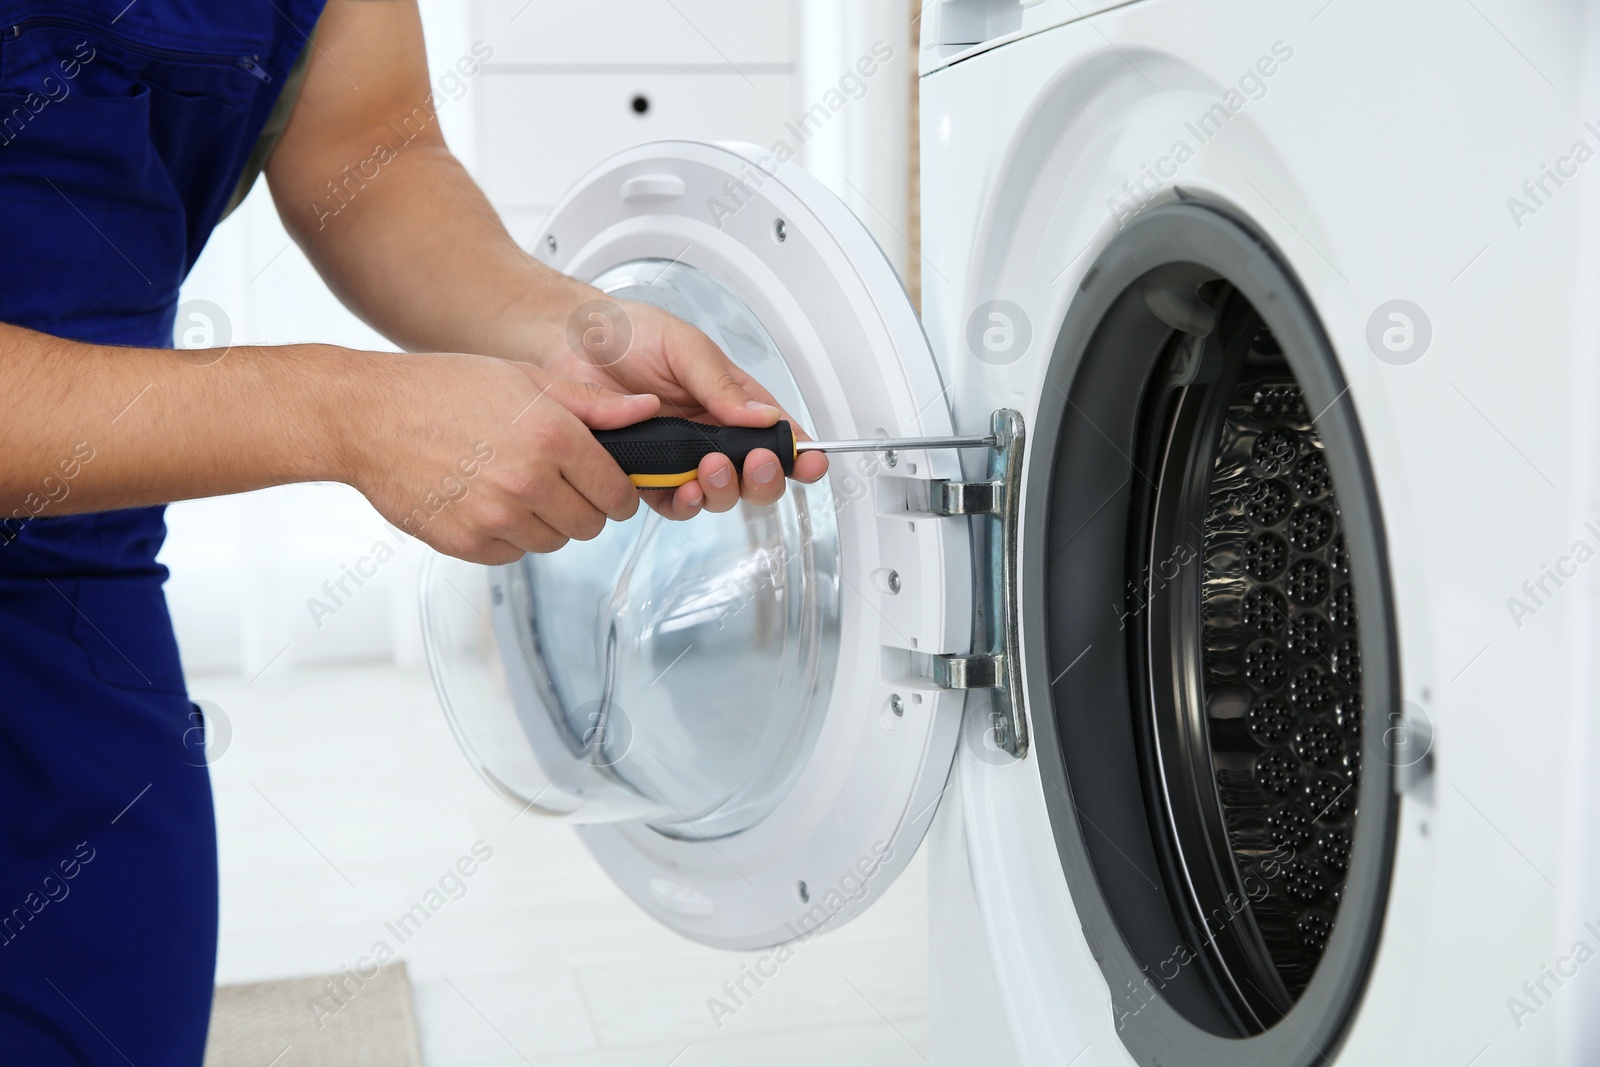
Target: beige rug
{"points": [[326, 1021]]}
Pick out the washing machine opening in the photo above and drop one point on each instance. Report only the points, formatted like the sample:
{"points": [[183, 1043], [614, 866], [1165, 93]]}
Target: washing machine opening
{"points": [[675, 674], [1219, 635], [1250, 663]]}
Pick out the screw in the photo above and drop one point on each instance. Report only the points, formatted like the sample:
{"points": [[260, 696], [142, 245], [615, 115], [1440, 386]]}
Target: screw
{"points": [[894, 581], [805, 894], [897, 705], [780, 230], [890, 459], [550, 243]]}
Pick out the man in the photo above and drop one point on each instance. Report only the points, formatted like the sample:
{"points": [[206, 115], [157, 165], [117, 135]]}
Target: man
{"points": [[126, 129]]}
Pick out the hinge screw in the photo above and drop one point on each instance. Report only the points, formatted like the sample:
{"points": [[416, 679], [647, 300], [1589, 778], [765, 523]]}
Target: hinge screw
{"points": [[550, 243], [897, 705], [894, 581], [890, 459], [780, 231]]}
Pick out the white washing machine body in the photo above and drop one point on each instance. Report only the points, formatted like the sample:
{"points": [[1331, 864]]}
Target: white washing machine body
{"points": [[1149, 231], [1436, 154]]}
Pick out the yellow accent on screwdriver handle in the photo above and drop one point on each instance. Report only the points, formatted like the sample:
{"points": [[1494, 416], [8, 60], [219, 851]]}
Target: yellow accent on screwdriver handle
{"points": [[664, 453], [662, 481]]}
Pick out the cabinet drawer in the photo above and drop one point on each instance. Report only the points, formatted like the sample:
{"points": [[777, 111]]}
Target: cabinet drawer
{"points": [[539, 133], [708, 33]]}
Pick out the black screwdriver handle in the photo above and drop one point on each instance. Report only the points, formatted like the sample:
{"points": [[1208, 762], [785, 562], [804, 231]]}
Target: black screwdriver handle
{"points": [[665, 452]]}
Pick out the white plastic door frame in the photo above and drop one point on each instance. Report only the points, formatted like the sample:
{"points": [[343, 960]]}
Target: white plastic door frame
{"points": [[822, 288]]}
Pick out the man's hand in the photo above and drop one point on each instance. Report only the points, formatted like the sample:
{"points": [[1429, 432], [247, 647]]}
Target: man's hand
{"points": [[671, 359], [486, 459]]}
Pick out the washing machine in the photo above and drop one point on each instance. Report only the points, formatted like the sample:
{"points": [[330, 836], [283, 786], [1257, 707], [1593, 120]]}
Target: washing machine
{"points": [[1240, 690]]}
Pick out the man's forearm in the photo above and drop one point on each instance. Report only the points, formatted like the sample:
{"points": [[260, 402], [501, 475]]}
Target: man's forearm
{"points": [[365, 183], [90, 427], [420, 254]]}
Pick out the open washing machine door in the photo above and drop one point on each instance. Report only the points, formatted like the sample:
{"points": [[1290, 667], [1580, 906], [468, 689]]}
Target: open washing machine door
{"points": [[752, 714]]}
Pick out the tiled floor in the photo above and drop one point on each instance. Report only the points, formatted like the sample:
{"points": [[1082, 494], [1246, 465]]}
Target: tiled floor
{"points": [[342, 799]]}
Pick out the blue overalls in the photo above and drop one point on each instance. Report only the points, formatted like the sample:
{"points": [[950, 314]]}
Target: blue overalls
{"points": [[124, 127]]}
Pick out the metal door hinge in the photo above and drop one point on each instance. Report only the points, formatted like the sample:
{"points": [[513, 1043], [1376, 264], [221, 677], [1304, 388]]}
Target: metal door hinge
{"points": [[966, 498], [995, 638]]}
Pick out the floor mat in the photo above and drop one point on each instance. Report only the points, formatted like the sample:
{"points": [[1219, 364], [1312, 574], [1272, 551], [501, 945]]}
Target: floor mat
{"points": [[325, 1021]]}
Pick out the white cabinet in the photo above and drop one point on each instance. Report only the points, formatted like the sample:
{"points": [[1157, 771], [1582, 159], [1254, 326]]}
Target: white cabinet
{"points": [[611, 33], [571, 82], [563, 124]]}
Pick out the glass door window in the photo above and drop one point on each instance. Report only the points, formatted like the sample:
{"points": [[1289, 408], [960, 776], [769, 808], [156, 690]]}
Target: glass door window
{"points": [[671, 673]]}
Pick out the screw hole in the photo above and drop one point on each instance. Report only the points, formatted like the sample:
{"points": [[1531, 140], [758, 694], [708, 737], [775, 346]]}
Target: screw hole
{"points": [[641, 104], [805, 894], [550, 243]]}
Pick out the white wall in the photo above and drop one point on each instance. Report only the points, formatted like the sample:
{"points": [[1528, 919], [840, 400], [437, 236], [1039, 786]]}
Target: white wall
{"points": [[255, 575], [862, 153]]}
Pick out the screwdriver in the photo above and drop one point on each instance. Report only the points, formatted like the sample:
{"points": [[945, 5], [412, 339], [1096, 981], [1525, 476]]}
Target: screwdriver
{"points": [[665, 452]]}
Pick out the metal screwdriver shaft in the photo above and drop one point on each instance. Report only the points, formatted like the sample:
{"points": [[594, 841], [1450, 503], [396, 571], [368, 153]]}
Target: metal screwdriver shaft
{"points": [[898, 444]]}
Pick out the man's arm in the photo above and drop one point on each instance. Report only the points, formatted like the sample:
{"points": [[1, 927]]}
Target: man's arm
{"points": [[505, 442], [480, 457], [366, 185], [92, 427]]}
